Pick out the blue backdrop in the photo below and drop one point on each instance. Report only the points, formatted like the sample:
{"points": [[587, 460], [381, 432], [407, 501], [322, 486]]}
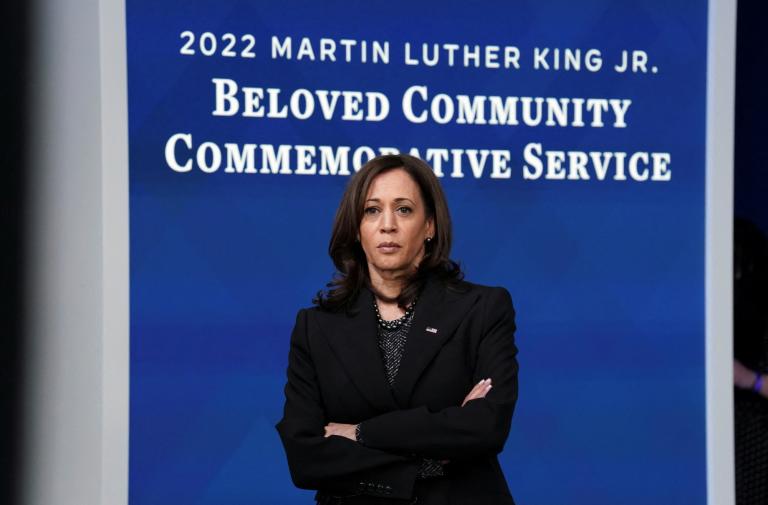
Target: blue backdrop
{"points": [[607, 276]]}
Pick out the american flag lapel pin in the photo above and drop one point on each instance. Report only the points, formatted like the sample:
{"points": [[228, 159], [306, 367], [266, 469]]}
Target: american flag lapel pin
{"points": [[431, 330]]}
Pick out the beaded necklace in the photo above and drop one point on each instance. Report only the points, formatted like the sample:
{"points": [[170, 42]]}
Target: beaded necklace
{"points": [[394, 323]]}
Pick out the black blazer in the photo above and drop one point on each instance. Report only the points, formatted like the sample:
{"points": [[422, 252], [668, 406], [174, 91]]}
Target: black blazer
{"points": [[336, 374]]}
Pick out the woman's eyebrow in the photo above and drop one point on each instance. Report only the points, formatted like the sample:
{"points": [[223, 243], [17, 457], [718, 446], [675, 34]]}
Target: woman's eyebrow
{"points": [[396, 200]]}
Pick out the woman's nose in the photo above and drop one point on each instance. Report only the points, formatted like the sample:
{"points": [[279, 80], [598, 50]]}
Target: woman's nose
{"points": [[388, 221]]}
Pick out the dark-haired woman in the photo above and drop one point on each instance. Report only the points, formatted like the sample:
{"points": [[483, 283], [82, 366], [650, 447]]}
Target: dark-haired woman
{"points": [[402, 378]]}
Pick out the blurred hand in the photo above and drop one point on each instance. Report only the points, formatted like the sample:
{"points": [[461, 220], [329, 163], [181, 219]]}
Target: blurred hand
{"points": [[743, 377]]}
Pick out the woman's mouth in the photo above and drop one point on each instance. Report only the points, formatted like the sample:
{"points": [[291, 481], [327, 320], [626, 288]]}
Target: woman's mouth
{"points": [[388, 247]]}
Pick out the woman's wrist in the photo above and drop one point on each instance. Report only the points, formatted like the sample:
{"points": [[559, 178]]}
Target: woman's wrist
{"points": [[358, 433]]}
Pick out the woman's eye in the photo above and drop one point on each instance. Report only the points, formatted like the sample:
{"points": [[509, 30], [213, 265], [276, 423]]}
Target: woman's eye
{"points": [[375, 210]]}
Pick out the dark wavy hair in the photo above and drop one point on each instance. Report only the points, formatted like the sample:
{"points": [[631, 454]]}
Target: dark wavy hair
{"points": [[347, 252]]}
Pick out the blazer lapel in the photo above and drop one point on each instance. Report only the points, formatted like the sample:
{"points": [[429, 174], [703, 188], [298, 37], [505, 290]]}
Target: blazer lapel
{"points": [[354, 341], [437, 315]]}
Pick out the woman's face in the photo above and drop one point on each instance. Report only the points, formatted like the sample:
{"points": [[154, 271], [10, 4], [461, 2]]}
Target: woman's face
{"points": [[394, 225]]}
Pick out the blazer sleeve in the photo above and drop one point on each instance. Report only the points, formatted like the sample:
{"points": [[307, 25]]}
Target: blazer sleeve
{"points": [[481, 426], [335, 464]]}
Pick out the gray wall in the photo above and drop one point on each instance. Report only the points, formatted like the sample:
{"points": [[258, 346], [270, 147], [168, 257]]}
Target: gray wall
{"points": [[75, 449]]}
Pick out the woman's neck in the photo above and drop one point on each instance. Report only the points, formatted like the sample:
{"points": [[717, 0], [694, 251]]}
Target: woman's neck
{"points": [[387, 286]]}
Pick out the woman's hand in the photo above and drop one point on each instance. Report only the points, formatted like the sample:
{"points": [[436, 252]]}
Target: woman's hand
{"points": [[341, 430], [479, 391]]}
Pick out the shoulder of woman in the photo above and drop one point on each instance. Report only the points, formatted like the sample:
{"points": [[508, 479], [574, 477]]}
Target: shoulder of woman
{"points": [[304, 313], [467, 287]]}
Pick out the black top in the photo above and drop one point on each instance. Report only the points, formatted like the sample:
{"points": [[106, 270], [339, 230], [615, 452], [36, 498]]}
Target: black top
{"points": [[392, 337]]}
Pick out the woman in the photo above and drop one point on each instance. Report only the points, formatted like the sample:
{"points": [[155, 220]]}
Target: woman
{"points": [[402, 379]]}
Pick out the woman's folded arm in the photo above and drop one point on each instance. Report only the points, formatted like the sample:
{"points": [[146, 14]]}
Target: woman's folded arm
{"points": [[333, 464], [479, 427]]}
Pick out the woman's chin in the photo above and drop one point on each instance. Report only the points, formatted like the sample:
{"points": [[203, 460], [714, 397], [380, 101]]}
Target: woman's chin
{"points": [[390, 267]]}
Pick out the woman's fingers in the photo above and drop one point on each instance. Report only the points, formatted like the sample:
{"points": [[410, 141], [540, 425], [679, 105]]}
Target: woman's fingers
{"points": [[478, 391], [331, 429], [480, 387]]}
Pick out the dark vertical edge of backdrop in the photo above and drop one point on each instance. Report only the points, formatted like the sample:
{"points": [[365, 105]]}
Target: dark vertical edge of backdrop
{"points": [[14, 34]]}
